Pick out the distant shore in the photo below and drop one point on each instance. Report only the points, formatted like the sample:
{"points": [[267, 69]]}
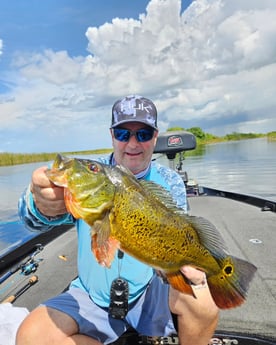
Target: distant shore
{"points": [[8, 159]]}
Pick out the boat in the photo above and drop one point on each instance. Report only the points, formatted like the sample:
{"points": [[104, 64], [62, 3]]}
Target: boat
{"points": [[45, 265]]}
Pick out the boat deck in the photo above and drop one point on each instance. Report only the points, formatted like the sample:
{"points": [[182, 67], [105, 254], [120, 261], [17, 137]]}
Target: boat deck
{"points": [[57, 266], [250, 234]]}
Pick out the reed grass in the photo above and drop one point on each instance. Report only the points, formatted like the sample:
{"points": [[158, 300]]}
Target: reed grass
{"points": [[7, 158]]}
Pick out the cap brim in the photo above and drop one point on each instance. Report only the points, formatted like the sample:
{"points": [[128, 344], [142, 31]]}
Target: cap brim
{"points": [[132, 121]]}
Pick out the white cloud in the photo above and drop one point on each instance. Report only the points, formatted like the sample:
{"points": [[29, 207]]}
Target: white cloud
{"points": [[1, 47], [216, 61], [56, 68]]}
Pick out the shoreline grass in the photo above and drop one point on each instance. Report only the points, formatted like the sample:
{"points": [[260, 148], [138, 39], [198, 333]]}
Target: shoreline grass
{"points": [[8, 159]]}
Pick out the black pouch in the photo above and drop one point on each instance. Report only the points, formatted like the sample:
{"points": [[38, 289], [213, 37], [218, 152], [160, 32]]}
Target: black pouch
{"points": [[118, 307]]}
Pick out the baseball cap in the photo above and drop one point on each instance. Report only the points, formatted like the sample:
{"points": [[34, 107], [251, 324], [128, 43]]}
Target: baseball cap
{"points": [[134, 108]]}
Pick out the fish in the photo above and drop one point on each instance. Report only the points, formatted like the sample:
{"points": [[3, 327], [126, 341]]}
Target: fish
{"points": [[141, 219]]}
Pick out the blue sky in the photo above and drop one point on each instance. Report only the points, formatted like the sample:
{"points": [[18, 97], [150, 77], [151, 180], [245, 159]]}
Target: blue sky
{"points": [[206, 63]]}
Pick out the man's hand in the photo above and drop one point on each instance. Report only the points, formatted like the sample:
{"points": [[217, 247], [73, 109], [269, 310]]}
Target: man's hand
{"points": [[48, 198], [196, 277], [197, 315]]}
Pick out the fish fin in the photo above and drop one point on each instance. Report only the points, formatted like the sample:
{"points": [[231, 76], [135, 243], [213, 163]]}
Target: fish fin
{"points": [[102, 244], [229, 287], [152, 189], [124, 173], [208, 236], [125, 170], [162, 195], [105, 253], [179, 282]]}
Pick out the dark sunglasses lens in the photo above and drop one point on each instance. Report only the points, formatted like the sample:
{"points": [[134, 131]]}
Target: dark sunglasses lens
{"points": [[121, 134], [143, 135]]}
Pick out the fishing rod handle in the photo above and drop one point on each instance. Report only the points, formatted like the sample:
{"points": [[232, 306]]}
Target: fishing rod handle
{"points": [[12, 298], [9, 299]]}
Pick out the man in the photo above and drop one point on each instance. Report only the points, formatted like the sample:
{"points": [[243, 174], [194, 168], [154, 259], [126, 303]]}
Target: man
{"points": [[84, 314]]}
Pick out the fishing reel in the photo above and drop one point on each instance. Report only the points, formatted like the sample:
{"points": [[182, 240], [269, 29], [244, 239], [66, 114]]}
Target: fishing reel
{"points": [[31, 264]]}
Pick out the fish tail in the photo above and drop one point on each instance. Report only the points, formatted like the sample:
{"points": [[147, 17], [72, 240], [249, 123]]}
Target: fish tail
{"points": [[229, 287]]}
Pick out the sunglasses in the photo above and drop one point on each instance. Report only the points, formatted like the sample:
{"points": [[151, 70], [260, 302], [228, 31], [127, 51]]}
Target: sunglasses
{"points": [[142, 135]]}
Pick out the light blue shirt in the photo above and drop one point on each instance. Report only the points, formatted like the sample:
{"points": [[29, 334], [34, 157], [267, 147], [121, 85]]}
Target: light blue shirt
{"points": [[92, 277]]}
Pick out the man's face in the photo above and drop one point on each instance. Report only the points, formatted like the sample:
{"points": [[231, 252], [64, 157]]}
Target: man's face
{"points": [[132, 154]]}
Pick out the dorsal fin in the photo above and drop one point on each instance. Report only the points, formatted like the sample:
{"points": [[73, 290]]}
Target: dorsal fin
{"points": [[162, 195], [208, 235], [118, 174], [154, 189]]}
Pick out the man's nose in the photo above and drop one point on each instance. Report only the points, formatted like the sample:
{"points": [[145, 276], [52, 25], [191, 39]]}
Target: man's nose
{"points": [[133, 140]]}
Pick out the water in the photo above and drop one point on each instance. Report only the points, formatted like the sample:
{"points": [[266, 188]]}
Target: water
{"points": [[247, 167]]}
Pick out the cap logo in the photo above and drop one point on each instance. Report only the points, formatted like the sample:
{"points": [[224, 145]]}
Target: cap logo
{"points": [[128, 108]]}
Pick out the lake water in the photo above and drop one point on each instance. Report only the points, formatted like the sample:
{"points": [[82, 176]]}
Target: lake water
{"points": [[247, 167]]}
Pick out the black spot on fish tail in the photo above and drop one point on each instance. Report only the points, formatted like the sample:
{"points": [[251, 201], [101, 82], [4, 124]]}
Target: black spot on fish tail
{"points": [[230, 286]]}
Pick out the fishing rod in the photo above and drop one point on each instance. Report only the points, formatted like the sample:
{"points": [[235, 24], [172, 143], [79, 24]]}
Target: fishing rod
{"points": [[27, 266], [30, 283]]}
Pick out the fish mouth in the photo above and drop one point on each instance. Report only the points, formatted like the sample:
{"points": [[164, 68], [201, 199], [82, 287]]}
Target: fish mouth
{"points": [[57, 178], [61, 162], [56, 174]]}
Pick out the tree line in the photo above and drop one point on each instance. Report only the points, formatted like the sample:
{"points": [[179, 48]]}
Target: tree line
{"points": [[204, 137]]}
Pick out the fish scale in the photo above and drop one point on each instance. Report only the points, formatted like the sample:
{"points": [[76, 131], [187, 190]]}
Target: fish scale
{"points": [[152, 235]]}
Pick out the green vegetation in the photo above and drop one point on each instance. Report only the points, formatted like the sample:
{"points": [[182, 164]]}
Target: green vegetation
{"points": [[241, 136], [271, 135], [202, 138], [7, 158], [207, 138]]}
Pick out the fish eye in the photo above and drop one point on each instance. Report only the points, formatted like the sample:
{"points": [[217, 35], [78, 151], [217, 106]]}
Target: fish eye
{"points": [[93, 167]]}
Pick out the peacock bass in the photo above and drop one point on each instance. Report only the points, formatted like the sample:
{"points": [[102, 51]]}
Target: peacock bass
{"points": [[140, 218]]}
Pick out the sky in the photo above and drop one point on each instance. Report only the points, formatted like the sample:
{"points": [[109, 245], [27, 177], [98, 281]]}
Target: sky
{"points": [[204, 63]]}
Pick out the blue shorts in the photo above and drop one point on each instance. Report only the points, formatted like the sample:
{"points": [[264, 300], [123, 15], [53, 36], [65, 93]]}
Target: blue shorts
{"points": [[150, 315]]}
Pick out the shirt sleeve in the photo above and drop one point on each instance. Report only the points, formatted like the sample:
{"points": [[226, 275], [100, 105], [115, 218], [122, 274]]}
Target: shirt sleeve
{"points": [[178, 191], [34, 220], [174, 184]]}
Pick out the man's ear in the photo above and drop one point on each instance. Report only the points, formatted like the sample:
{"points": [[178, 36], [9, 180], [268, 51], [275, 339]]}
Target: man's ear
{"points": [[155, 137]]}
